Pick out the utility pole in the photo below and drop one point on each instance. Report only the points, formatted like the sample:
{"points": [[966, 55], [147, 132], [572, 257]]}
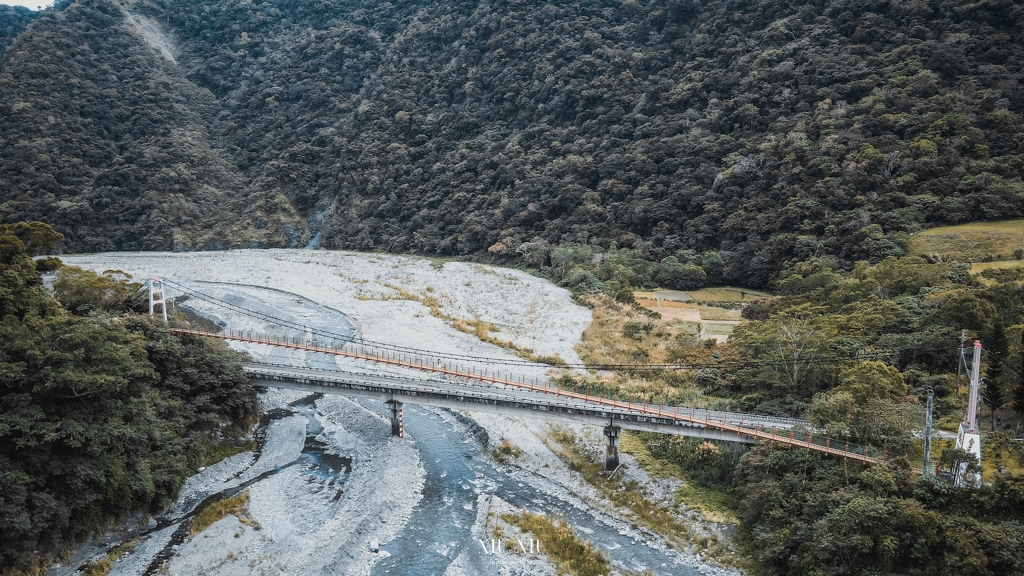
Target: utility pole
{"points": [[963, 360], [928, 433]]}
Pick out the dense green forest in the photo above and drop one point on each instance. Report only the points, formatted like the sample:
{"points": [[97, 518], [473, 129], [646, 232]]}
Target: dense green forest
{"points": [[855, 353], [13, 21], [904, 313], [804, 515], [102, 412], [735, 137]]}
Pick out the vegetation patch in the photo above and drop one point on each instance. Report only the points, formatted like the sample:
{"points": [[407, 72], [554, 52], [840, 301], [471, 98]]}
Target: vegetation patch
{"points": [[103, 566], [991, 273], [711, 329], [715, 502], [631, 334], [236, 505], [222, 450], [561, 545], [506, 451], [972, 242], [727, 294], [622, 335], [1002, 451]]}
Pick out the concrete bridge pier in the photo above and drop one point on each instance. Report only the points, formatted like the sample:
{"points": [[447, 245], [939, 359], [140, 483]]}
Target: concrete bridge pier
{"points": [[612, 432], [396, 418]]}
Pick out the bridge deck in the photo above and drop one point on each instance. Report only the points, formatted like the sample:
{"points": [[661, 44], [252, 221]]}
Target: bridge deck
{"points": [[511, 394], [550, 404]]}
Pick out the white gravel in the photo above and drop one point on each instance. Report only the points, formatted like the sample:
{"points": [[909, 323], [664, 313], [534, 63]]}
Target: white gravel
{"points": [[529, 311], [304, 527]]}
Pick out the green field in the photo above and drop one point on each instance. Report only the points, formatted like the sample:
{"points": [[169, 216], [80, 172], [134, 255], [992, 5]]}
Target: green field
{"points": [[972, 242], [686, 327], [726, 294], [718, 329], [977, 269]]}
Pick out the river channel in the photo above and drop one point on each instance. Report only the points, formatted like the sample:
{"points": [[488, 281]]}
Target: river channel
{"points": [[452, 449]]}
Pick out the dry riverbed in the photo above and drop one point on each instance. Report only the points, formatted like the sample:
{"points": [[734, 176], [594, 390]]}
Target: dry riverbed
{"points": [[330, 491]]}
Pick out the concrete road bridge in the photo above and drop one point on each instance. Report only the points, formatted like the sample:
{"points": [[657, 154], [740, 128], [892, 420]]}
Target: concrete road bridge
{"points": [[468, 383], [481, 390]]}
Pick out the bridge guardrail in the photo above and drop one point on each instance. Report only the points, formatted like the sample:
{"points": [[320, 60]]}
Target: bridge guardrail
{"points": [[799, 432]]}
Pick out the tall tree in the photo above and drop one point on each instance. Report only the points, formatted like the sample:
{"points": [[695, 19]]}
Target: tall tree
{"points": [[989, 392], [1018, 391], [992, 385], [997, 351]]}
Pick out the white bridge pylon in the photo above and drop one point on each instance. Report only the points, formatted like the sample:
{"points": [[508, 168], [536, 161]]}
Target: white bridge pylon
{"points": [[156, 296], [968, 437]]}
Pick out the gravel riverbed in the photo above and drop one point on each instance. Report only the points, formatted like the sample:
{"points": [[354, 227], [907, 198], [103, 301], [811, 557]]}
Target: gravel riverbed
{"points": [[330, 490]]}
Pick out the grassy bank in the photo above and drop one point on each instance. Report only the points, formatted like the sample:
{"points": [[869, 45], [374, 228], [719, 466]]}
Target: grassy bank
{"points": [[971, 242], [716, 503], [236, 505], [561, 545], [103, 566], [216, 452], [624, 494], [664, 518]]}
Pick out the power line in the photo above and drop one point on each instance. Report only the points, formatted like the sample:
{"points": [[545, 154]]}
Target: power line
{"points": [[1010, 367]]}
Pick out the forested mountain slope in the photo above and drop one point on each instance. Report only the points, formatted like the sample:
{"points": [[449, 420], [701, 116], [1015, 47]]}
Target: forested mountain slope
{"points": [[13, 21], [103, 411], [764, 131]]}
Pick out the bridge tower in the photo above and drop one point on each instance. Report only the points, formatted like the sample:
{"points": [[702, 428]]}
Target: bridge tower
{"points": [[612, 432], [969, 438], [156, 296], [397, 429]]}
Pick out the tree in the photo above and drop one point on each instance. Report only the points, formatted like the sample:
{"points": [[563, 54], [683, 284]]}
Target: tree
{"points": [[995, 381], [1018, 391], [961, 464], [82, 291], [21, 291], [870, 404], [990, 395], [790, 344], [535, 253], [565, 257], [38, 237], [997, 351]]}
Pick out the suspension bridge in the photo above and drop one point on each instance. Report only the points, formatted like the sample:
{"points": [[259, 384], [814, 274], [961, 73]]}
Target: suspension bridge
{"points": [[455, 383]]}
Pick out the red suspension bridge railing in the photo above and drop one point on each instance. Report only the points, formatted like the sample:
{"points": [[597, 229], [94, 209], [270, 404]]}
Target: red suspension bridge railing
{"points": [[800, 438]]}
